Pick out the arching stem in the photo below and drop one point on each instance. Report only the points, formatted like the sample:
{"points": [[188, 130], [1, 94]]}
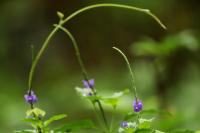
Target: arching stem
{"points": [[48, 39], [85, 75], [130, 71]]}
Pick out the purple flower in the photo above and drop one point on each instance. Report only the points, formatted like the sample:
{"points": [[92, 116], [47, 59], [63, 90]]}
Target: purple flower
{"points": [[31, 98], [137, 105], [89, 83], [124, 124]]}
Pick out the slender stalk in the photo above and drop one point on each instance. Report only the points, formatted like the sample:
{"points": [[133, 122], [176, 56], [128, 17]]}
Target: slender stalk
{"points": [[50, 36], [146, 11], [132, 78], [130, 70], [84, 71], [97, 115], [78, 55], [37, 58], [103, 114], [112, 120]]}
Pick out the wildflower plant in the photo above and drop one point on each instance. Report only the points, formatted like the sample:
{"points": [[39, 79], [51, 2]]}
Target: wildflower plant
{"points": [[133, 122], [139, 124]]}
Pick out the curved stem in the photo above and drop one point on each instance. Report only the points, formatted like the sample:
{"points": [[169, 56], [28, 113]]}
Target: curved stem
{"points": [[45, 44], [84, 71], [146, 11], [130, 70], [76, 50], [37, 58], [103, 114], [112, 119], [97, 115]]}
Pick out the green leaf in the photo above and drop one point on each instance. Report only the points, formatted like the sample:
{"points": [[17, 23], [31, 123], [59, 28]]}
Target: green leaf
{"points": [[129, 130], [76, 126], [130, 115], [182, 131], [36, 111], [143, 130], [114, 99], [145, 123], [25, 131], [157, 131], [155, 112], [31, 120], [60, 15], [54, 118], [34, 122]]}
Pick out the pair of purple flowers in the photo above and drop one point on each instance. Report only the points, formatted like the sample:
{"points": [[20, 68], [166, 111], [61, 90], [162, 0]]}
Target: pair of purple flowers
{"points": [[137, 106], [32, 98]]}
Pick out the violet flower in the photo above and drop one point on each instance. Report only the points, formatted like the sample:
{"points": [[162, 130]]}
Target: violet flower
{"points": [[124, 124], [137, 105], [31, 98], [89, 83]]}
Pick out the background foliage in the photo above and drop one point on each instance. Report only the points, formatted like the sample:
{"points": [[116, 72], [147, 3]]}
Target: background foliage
{"points": [[166, 63]]}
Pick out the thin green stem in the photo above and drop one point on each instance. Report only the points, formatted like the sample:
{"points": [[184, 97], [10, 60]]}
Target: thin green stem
{"points": [[78, 55], [45, 44], [112, 120], [103, 114], [146, 11], [97, 115], [84, 71], [130, 70], [38, 56]]}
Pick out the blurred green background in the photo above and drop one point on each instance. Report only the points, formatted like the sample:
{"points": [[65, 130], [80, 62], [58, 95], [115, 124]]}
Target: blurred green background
{"points": [[166, 63]]}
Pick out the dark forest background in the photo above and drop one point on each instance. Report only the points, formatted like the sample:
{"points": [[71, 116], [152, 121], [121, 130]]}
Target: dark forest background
{"points": [[166, 62]]}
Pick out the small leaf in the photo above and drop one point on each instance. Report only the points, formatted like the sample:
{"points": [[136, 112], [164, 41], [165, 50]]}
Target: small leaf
{"points": [[60, 15], [157, 131], [25, 131], [130, 115], [75, 126], [143, 130], [129, 130], [114, 99], [36, 111], [182, 131], [145, 123], [34, 122], [54, 118], [155, 112], [31, 120]]}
